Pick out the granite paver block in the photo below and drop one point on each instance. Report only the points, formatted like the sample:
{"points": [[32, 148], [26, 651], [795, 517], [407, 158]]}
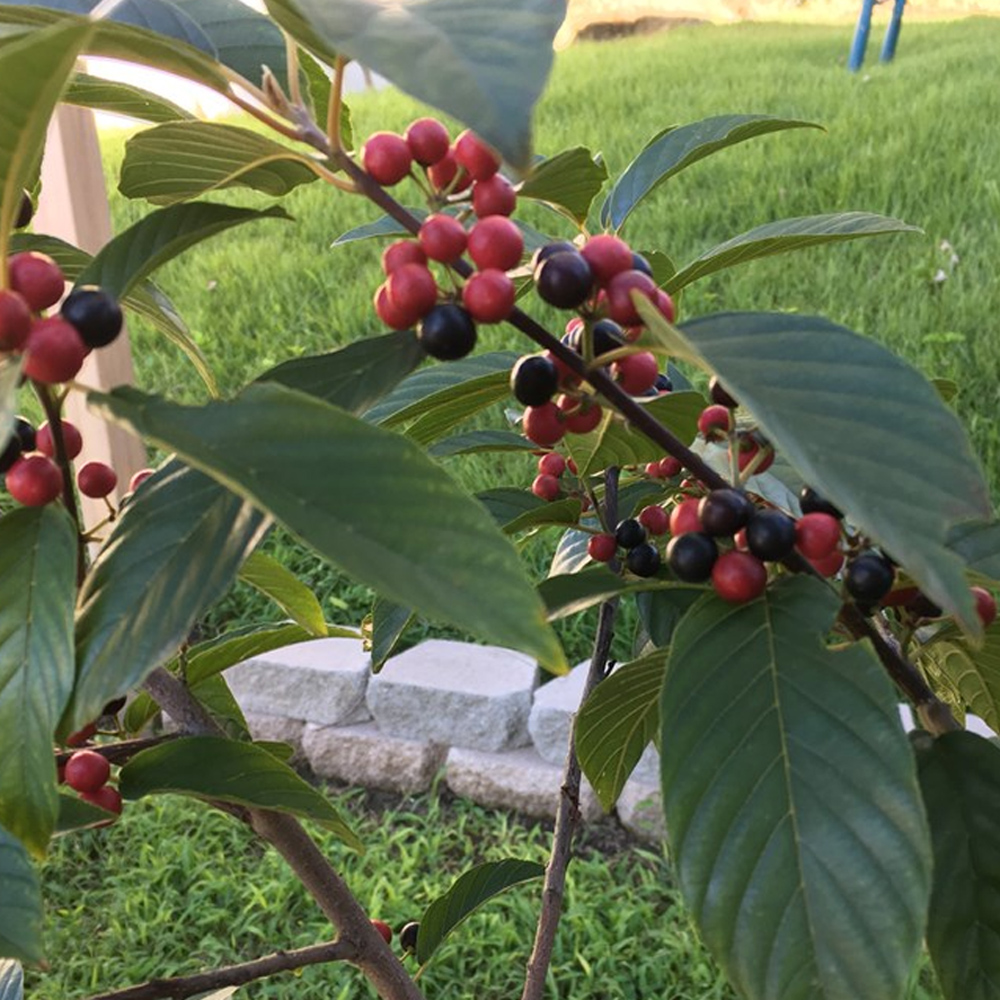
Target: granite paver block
{"points": [[277, 729], [640, 811]]}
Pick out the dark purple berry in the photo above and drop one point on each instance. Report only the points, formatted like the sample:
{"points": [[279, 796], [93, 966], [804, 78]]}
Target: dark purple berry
{"points": [[691, 556], [447, 332], [639, 263], [606, 336], [543, 253], [25, 212], [724, 512], [564, 280], [408, 936], [812, 503], [22, 440], [663, 383], [534, 380], [719, 394], [771, 535], [643, 560], [94, 314], [868, 578], [630, 533]]}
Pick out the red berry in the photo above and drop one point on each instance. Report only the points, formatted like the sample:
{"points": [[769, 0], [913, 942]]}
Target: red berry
{"points": [[817, 535], [428, 140], [665, 304], [546, 487], [654, 519], [443, 238], [636, 372], [602, 548], [96, 480], [54, 351], [653, 469], [387, 158], [489, 296], [138, 478], [619, 290], [412, 290], [543, 424], [493, 196], [739, 577], [607, 256], [34, 481], [582, 415], [828, 565], [684, 517], [552, 464], [36, 277], [446, 174], [571, 465], [402, 252], [715, 422], [15, 320], [380, 925], [496, 242], [106, 798], [72, 439], [670, 467], [87, 770], [389, 312], [481, 161], [986, 606]]}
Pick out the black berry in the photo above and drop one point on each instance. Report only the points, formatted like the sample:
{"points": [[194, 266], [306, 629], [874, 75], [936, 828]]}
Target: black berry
{"points": [[630, 533], [643, 560], [770, 535], [719, 394], [447, 332], [663, 383], [94, 314], [534, 380], [408, 936], [639, 263], [24, 430], [26, 211], [812, 503], [605, 333], [724, 512], [564, 279], [11, 453], [923, 607], [868, 578], [22, 439], [691, 556]]}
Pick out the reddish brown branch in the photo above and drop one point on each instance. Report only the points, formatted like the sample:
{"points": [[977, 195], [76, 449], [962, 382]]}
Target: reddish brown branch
{"points": [[121, 752]]}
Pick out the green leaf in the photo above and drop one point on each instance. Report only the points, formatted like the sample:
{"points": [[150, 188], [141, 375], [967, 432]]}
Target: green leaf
{"points": [[550, 514], [75, 814], [291, 20], [970, 674], [791, 800], [159, 237], [356, 377], [147, 300], [615, 442], [164, 18], [214, 695], [447, 410], [674, 149], [862, 427], [20, 903], [978, 543], [11, 980], [617, 722], [122, 99], [37, 589], [475, 442], [445, 559], [484, 63], [213, 768], [176, 549], [572, 591], [506, 503], [35, 70], [388, 623], [182, 160], [568, 182], [663, 270], [468, 892], [379, 229], [960, 779], [267, 575], [660, 611], [572, 553], [783, 237]]}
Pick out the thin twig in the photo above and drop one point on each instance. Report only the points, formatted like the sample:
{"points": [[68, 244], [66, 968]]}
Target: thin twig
{"points": [[333, 110], [121, 752], [234, 975], [568, 812]]}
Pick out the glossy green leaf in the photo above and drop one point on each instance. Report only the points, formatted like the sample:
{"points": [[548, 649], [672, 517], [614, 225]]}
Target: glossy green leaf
{"points": [[484, 63], [122, 99], [388, 623], [970, 674], [978, 543], [286, 14], [213, 768], [676, 148], [37, 589], [445, 559], [571, 591], [614, 442], [783, 237], [663, 269], [75, 814], [11, 980], [164, 18], [20, 903], [475, 442], [660, 611], [10, 378], [470, 891], [568, 181], [214, 695], [550, 514], [266, 574], [146, 300], [791, 800], [182, 160], [381, 228], [507, 503], [571, 553], [862, 427], [35, 69], [357, 376], [134, 254], [447, 410], [960, 779], [616, 724], [176, 549]]}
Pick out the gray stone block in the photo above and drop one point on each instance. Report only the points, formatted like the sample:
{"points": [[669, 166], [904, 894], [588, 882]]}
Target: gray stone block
{"points": [[365, 756], [457, 694], [517, 779], [321, 681], [277, 729], [640, 811]]}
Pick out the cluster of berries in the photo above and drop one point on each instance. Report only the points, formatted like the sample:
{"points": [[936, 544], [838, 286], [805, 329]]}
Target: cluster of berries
{"points": [[410, 296], [717, 422], [547, 485], [407, 934], [88, 773], [34, 479]]}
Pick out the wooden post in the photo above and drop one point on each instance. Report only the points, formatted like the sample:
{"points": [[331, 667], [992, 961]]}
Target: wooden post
{"points": [[74, 207]]}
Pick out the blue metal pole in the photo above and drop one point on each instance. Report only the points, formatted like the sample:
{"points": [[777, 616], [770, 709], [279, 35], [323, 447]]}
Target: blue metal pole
{"points": [[860, 43], [892, 35]]}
